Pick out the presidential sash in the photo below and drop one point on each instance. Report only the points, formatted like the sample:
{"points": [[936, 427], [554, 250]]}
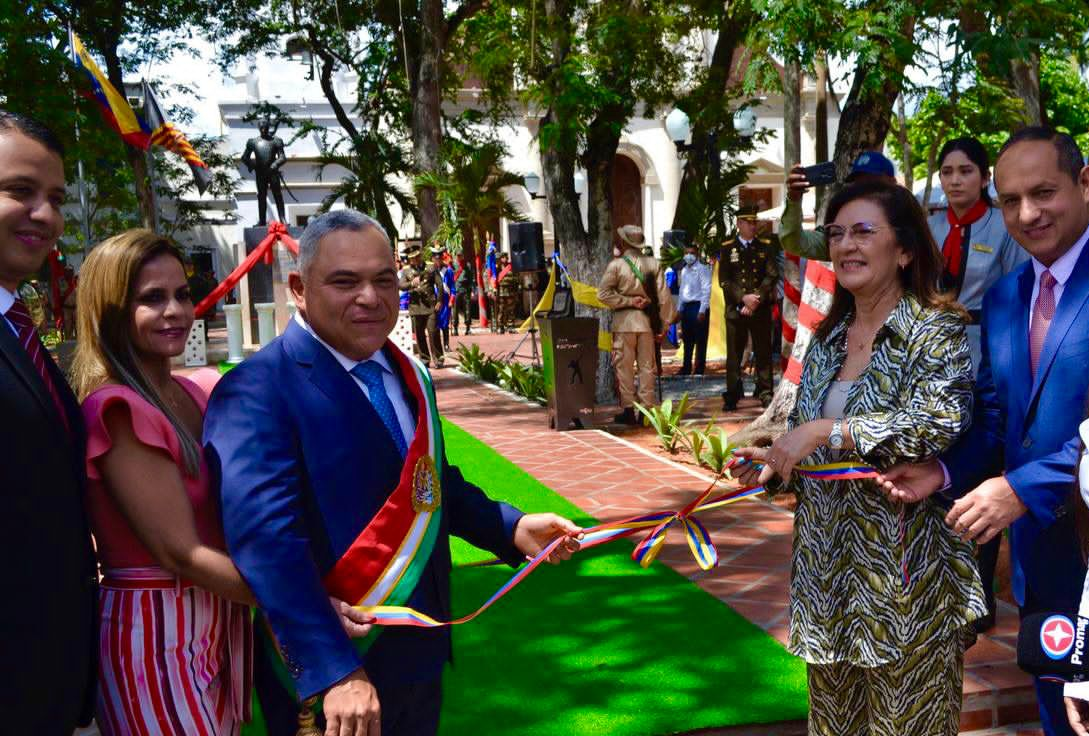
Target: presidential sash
{"points": [[384, 563]]}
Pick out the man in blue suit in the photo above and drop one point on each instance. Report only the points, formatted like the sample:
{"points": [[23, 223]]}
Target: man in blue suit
{"points": [[1015, 467], [308, 440]]}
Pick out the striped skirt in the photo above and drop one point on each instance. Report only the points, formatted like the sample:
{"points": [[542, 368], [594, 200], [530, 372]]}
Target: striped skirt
{"points": [[174, 658]]}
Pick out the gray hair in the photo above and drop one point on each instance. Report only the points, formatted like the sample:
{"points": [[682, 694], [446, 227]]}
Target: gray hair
{"points": [[328, 222]]}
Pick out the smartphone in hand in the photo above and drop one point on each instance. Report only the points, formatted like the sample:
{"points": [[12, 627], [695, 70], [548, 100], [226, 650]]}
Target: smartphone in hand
{"points": [[820, 174]]}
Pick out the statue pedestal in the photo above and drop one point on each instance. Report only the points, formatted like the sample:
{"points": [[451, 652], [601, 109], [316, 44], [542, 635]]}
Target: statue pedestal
{"points": [[264, 284]]}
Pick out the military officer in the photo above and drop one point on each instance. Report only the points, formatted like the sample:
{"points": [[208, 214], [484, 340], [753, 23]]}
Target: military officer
{"points": [[423, 284], [748, 272], [507, 288], [634, 288]]}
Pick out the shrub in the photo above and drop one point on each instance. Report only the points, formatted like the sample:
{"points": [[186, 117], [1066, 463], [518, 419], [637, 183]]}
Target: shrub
{"points": [[718, 450], [666, 421], [524, 380]]}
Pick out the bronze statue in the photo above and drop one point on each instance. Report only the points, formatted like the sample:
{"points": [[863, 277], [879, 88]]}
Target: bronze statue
{"points": [[265, 156]]}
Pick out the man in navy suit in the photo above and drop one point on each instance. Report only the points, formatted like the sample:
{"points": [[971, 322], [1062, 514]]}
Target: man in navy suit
{"points": [[1015, 467], [309, 438], [48, 628]]}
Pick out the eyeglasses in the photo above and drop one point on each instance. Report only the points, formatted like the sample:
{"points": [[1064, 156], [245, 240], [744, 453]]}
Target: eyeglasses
{"points": [[861, 232]]}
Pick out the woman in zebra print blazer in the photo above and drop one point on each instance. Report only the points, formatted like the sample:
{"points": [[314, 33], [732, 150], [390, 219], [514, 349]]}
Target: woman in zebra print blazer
{"points": [[882, 593]]}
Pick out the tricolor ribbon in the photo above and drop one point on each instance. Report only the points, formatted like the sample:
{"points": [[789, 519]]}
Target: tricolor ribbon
{"points": [[658, 523]]}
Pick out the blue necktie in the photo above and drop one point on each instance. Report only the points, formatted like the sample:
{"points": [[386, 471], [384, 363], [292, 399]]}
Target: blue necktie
{"points": [[370, 373]]}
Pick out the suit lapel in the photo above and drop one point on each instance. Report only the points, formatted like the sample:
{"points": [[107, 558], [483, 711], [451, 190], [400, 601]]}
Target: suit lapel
{"points": [[1070, 305], [1018, 325], [338, 386], [22, 366]]}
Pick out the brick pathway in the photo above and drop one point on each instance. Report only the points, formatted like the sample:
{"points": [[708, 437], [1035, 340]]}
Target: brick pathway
{"points": [[610, 477]]}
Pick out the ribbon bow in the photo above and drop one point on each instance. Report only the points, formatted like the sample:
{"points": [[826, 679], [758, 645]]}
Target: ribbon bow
{"points": [[277, 232]]}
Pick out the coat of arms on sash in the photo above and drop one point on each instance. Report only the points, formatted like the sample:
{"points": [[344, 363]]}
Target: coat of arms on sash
{"points": [[426, 493]]}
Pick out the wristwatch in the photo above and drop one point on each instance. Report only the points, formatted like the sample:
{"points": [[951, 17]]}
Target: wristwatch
{"points": [[835, 437]]}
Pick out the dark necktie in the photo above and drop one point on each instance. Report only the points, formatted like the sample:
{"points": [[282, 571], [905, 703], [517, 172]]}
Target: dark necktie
{"points": [[370, 373], [28, 337]]}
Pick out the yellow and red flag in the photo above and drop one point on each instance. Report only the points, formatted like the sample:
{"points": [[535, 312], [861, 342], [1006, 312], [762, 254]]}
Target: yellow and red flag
{"points": [[167, 135]]}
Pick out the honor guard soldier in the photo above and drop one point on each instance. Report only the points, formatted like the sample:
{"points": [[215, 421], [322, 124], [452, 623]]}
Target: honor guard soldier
{"points": [[634, 288], [423, 285], [507, 289], [748, 272]]}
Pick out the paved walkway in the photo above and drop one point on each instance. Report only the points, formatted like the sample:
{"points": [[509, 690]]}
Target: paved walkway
{"points": [[610, 477]]}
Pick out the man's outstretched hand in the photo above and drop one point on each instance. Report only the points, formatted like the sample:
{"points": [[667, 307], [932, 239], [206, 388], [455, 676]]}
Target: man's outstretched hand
{"points": [[912, 482], [983, 514], [534, 532]]}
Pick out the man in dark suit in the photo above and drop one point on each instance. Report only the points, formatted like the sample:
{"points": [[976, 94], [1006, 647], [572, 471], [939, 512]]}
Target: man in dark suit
{"points": [[1015, 467], [748, 273], [48, 624], [314, 440]]}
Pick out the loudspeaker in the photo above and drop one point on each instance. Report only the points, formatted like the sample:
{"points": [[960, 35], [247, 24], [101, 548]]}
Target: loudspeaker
{"points": [[526, 246], [678, 238]]}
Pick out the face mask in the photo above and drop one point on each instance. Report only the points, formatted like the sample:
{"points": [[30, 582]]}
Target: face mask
{"points": [[689, 258]]}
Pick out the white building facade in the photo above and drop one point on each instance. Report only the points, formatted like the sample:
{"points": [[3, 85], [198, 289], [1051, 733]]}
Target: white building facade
{"points": [[646, 185]]}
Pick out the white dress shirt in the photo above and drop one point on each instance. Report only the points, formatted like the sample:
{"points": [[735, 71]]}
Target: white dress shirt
{"points": [[696, 285], [1061, 269], [389, 380], [7, 299]]}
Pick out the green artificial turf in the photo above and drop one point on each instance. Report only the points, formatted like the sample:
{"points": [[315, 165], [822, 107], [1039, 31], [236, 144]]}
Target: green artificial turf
{"points": [[599, 645]]}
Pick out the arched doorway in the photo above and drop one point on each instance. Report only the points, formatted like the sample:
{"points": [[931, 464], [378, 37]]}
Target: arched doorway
{"points": [[627, 193]]}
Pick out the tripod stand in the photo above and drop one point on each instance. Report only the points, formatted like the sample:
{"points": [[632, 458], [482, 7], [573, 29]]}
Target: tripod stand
{"points": [[534, 353]]}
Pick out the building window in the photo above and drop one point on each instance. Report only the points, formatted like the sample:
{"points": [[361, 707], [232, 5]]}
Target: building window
{"points": [[763, 198], [301, 220]]}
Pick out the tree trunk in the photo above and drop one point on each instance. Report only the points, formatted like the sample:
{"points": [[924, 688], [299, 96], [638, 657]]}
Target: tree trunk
{"points": [[864, 123], [773, 421], [905, 145], [821, 66], [931, 165], [733, 26], [577, 247], [584, 253], [426, 71], [137, 159], [1025, 74], [792, 114]]}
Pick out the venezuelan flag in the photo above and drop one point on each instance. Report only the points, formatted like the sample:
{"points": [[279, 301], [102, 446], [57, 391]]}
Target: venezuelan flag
{"points": [[115, 108]]}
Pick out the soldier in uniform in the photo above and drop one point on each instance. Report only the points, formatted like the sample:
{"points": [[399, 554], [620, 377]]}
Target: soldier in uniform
{"points": [[634, 288], [748, 272], [464, 284], [423, 286], [507, 289]]}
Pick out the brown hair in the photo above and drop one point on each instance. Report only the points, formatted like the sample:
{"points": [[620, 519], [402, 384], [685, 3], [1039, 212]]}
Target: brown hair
{"points": [[104, 350], [906, 217]]}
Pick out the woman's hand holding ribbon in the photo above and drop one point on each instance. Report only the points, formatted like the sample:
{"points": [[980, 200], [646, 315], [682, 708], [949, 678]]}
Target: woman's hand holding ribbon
{"points": [[783, 455]]}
